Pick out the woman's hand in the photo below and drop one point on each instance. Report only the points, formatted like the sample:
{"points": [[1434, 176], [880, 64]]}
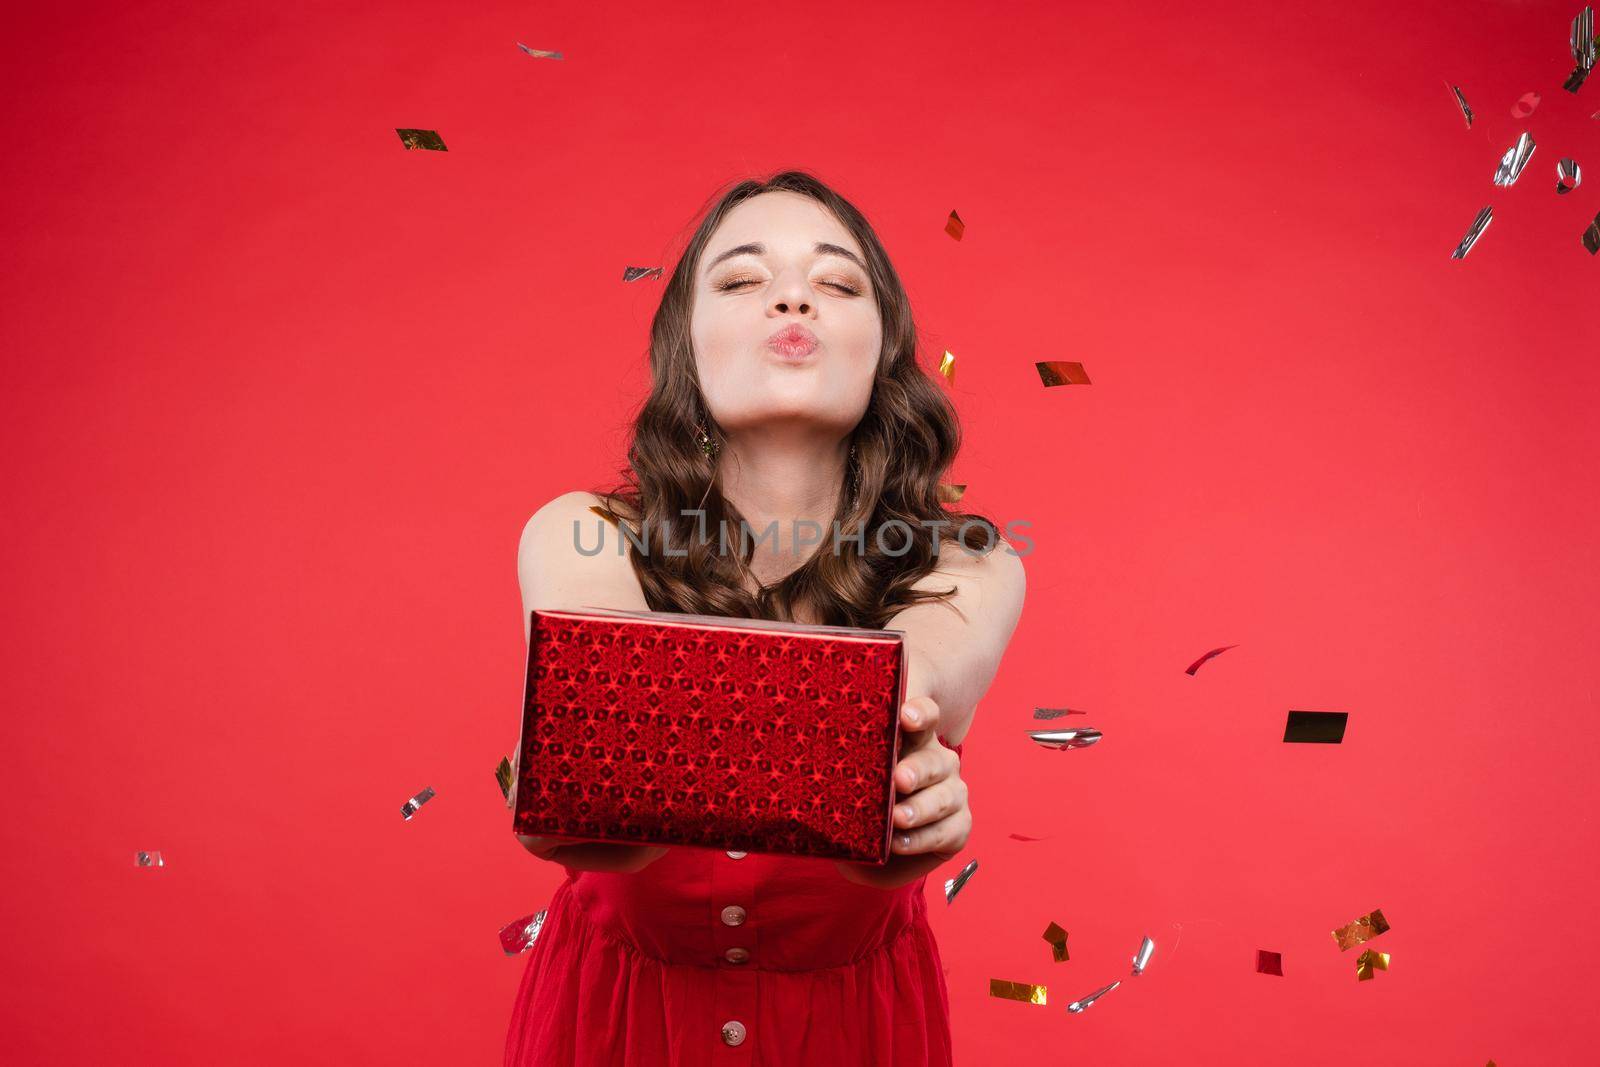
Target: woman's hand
{"points": [[931, 820], [580, 854]]}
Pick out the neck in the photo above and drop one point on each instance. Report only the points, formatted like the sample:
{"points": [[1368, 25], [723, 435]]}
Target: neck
{"points": [[785, 478]]}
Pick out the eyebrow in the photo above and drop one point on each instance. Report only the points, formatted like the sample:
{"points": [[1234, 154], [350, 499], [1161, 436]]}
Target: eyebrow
{"points": [[756, 248]]}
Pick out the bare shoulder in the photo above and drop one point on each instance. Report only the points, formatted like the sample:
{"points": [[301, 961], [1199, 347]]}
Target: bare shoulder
{"points": [[571, 557], [996, 576]]}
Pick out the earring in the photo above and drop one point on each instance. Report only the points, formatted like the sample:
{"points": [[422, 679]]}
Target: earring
{"points": [[707, 447], [855, 479]]}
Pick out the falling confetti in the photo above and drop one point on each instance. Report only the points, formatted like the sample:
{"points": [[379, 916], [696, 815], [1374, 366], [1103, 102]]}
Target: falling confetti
{"points": [[1055, 713], [1023, 991], [953, 886], [1591, 236], [947, 367], [537, 54], [951, 494], [1369, 961], [502, 774], [1058, 942], [1269, 962], [1525, 105], [148, 859], [1514, 160], [1055, 372], [633, 274], [519, 936], [1078, 1006], [1025, 837], [1315, 727], [1191, 668], [1568, 175], [426, 139], [1581, 42], [1474, 232], [409, 808], [954, 226], [1061, 739], [1461, 102], [1361, 930], [1141, 959], [605, 513]]}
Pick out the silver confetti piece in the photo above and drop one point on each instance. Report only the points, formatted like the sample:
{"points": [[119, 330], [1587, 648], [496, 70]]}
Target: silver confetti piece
{"points": [[409, 808], [1568, 175], [519, 936], [1077, 1006], [1581, 41], [1058, 739], [1055, 713], [633, 274], [538, 54], [148, 859], [1514, 160], [1591, 236], [1461, 102], [1479, 224], [1142, 958], [953, 886]]}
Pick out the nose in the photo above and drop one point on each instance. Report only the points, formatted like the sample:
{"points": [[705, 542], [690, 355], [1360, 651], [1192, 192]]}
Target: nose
{"points": [[791, 293]]}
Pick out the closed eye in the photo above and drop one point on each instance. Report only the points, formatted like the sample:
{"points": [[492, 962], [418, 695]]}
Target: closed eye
{"points": [[739, 283]]}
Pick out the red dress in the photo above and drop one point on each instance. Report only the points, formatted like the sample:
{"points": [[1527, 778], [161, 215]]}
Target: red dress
{"points": [[708, 957]]}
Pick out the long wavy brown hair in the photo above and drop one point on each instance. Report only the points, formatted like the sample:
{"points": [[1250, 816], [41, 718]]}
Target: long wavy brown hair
{"points": [[904, 444]]}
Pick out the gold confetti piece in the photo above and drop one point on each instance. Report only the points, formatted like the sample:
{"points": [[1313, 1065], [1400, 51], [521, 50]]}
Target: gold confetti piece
{"points": [[1191, 668], [951, 494], [502, 774], [954, 226], [1461, 102], [1315, 727], [1360, 930], [1368, 961], [1525, 105], [1591, 236], [427, 139], [633, 274], [1058, 941], [1269, 962], [604, 512], [409, 808], [947, 367], [1474, 232], [537, 53], [1054, 372], [148, 859], [519, 935], [953, 886], [1568, 175], [1023, 991], [1025, 837]]}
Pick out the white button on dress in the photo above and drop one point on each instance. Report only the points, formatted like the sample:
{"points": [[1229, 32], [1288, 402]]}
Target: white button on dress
{"points": [[737, 855], [733, 915], [733, 1032]]}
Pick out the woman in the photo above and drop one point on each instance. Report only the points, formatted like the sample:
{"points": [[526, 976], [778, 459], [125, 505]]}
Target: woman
{"points": [[785, 389]]}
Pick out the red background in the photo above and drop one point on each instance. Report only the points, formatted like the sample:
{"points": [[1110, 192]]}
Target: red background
{"points": [[280, 395]]}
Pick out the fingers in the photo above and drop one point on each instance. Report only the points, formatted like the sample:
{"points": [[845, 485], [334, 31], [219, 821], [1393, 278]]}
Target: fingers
{"points": [[947, 836], [919, 713], [928, 763], [929, 805]]}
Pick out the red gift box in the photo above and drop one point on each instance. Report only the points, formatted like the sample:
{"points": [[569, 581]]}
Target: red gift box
{"points": [[749, 735]]}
